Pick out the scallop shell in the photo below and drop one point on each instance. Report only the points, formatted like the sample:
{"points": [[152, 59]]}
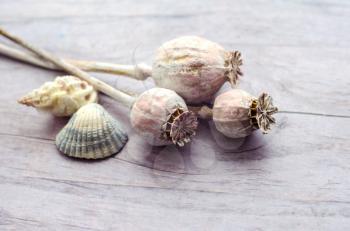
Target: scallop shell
{"points": [[91, 133], [62, 97]]}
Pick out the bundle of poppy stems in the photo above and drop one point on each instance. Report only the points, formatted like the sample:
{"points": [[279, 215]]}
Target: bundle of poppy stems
{"points": [[187, 71]]}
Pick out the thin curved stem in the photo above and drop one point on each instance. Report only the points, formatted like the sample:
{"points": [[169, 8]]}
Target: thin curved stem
{"points": [[313, 113], [123, 98], [140, 71], [25, 57]]}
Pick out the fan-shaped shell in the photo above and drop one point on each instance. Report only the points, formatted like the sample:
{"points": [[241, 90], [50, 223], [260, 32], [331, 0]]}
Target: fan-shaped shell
{"points": [[91, 133]]}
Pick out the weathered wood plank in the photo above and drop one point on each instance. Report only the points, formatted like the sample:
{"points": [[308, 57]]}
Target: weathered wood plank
{"points": [[295, 178]]}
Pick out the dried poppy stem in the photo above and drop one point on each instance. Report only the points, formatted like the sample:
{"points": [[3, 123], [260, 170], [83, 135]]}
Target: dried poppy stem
{"points": [[140, 71], [123, 98], [25, 57], [203, 112]]}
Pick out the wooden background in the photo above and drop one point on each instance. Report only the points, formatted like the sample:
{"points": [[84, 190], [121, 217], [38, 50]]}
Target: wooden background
{"points": [[296, 178]]}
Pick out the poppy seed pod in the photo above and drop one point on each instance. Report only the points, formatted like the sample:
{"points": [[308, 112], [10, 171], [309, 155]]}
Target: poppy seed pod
{"points": [[161, 117], [237, 114], [195, 68]]}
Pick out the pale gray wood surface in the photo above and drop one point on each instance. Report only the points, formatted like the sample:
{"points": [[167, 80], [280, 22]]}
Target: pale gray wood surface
{"points": [[296, 178]]}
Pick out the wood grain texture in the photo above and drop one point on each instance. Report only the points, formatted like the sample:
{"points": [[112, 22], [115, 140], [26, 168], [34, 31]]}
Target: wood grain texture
{"points": [[296, 178]]}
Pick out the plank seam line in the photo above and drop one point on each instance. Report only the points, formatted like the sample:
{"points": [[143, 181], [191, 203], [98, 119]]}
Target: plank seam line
{"points": [[24, 136], [77, 182], [160, 170]]}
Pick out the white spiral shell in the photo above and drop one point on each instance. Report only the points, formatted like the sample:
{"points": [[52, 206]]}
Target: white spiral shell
{"points": [[61, 97]]}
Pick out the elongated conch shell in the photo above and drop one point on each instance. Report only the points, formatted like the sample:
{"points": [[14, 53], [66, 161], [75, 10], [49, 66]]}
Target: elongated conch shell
{"points": [[62, 97], [237, 114], [91, 133]]}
